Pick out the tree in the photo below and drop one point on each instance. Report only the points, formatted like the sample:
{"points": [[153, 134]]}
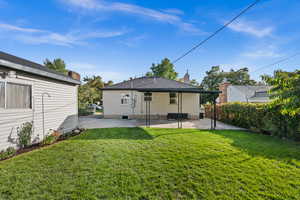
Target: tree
{"points": [[212, 79], [285, 91], [211, 83], [194, 82], [57, 65], [109, 83], [239, 77], [165, 69], [90, 91]]}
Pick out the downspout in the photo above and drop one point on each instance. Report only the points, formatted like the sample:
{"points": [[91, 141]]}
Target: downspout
{"points": [[132, 103]]}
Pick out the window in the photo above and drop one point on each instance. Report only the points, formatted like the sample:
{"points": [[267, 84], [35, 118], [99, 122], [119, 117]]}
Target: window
{"points": [[261, 94], [173, 97], [147, 96], [125, 99], [15, 96]]}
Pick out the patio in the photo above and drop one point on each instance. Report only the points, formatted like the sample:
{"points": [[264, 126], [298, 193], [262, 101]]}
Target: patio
{"points": [[95, 122]]}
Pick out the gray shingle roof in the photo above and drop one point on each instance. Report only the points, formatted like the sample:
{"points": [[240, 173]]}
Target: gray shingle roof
{"points": [[32, 67], [150, 82], [156, 84], [255, 93]]}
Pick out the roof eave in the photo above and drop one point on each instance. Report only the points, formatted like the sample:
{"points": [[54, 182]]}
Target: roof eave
{"points": [[184, 90], [38, 72]]}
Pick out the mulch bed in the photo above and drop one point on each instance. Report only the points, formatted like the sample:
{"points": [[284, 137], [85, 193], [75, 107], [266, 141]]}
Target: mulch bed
{"points": [[40, 145]]}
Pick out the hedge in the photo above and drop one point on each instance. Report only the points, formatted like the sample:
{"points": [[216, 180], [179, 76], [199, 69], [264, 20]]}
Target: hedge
{"points": [[259, 118]]}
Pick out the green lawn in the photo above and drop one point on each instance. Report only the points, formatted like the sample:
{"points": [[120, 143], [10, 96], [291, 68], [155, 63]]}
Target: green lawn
{"points": [[136, 163]]}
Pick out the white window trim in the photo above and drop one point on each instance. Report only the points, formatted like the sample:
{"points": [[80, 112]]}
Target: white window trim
{"points": [[16, 81], [128, 102]]}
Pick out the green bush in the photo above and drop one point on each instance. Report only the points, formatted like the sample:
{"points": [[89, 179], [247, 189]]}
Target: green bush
{"points": [[264, 118], [84, 112], [51, 138], [24, 134], [9, 152]]}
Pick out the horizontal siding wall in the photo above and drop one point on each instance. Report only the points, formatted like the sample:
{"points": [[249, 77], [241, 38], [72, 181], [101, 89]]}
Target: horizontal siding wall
{"points": [[60, 109]]}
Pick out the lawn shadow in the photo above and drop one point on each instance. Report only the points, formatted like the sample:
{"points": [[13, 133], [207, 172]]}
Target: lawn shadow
{"points": [[263, 145], [115, 133], [165, 132]]}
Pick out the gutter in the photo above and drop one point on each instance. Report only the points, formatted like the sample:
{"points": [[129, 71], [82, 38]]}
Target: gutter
{"points": [[185, 90], [39, 72]]}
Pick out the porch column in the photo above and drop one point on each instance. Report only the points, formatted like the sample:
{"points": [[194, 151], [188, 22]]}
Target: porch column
{"points": [[179, 115]]}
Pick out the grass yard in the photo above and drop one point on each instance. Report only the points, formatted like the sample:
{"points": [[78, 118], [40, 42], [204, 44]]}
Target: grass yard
{"points": [[136, 163]]}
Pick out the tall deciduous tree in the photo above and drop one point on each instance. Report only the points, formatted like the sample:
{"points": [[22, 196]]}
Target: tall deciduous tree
{"points": [[285, 91], [239, 77], [57, 65], [90, 91], [165, 69]]}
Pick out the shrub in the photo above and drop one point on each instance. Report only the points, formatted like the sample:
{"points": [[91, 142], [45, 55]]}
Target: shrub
{"points": [[85, 112], [9, 152], [51, 138], [265, 118], [24, 134]]}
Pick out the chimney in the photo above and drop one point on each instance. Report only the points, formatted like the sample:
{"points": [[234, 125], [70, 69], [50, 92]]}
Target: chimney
{"points": [[186, 77], [74, 75], [223, 98]]}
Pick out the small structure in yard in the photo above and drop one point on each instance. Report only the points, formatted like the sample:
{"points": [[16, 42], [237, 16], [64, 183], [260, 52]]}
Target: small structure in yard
{"points": [[243, 93], [30, 92], [152, 98]]}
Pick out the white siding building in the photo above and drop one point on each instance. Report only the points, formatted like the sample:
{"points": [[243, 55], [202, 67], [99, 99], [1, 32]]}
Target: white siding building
{"points": [[23, 86], [243, 93]]}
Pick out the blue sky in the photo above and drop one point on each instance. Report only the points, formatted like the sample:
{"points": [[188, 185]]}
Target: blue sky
{"points": [[120, 39]]}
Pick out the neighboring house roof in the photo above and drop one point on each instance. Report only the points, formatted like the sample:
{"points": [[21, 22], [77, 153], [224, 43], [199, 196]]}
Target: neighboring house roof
{"points": [[156, 84], [254, 93], [21, 64]]}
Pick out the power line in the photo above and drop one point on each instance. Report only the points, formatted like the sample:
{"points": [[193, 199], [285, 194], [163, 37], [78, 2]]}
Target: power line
{"points": [[216, 32], [277, 62]]}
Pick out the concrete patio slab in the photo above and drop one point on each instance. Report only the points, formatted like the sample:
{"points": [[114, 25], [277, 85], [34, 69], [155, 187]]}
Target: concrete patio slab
{"points": [[92, 122]]}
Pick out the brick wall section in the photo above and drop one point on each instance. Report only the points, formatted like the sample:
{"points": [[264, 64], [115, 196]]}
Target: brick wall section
{"points": [[223, 96], [74, 75]]}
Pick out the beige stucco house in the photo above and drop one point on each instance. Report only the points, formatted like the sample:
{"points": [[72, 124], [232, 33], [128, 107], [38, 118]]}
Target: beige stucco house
{"points": [[156, 97], [30, 92]]}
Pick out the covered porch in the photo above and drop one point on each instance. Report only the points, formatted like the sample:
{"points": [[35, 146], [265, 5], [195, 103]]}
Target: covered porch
{"points": [[180, 116]]}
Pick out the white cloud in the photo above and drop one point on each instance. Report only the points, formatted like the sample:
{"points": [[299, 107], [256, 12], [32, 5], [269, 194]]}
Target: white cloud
{"points": [[251, 28], [133, 41], [10, 27], [37, 36], [161, 16], [86, 69], [263, 52], [174, 11]]}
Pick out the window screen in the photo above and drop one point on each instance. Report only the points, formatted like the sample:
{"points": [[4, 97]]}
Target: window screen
{"points": [[2, 94], [18, 96]]}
